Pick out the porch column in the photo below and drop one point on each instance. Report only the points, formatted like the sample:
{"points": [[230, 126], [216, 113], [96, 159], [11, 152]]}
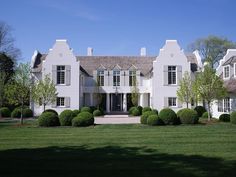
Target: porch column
{"points": [[124, 102], [91, 99], [108, 102], [141, 99]]}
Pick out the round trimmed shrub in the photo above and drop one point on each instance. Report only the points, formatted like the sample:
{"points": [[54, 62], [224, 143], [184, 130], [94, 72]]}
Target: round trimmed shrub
{"points": [[51, 110], [233, 117], [136, 112], [93, 108], [224, 118], [168, 116], [97, 112], [86, 109], [75, 112], [145, 109], [27, 112], [188, 116], [66, 117], [48, 119], [140, 108], [16, 113], [83, 119], [154, 120], [155, 110], [200, 110], [205, 115], [5, 112], [145, 116], [179, 112], [131, 109]]}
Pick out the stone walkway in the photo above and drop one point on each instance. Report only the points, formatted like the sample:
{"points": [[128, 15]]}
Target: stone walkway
{"points": [[117, 119]]}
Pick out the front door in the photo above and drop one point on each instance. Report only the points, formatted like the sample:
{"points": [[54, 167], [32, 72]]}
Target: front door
{"points": [[116, 102]]}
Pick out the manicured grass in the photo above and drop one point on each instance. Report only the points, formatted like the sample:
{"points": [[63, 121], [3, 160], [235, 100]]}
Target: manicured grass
{"points": [[118, 150]]}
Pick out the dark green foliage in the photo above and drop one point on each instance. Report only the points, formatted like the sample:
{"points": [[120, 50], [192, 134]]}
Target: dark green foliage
{"points": [[83, 119], [48, 119], [145, 109], [205, 115], [51, 110], [66, 117], [155, 110], [131, 109], [5, 112], [16, 113], [27, 112], [200, 110], [188, 116], [75, 112], [97, 112], [93, 108], [154, 120], [140, 108], [145, 115], [179, 112], [136, 112], [86, 109], [168, 116], [224, 118], [233, 117]]}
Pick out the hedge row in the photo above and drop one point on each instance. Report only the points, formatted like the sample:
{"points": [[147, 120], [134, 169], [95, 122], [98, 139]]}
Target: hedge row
{"points": [[16, 113]]}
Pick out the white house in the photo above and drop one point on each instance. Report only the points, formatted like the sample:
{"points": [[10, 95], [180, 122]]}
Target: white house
{"points": [[77, 77], [227, 71]]}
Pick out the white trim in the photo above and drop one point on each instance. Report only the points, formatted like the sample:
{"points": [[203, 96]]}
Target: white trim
{"points": [[234, 69], [176, 104], [227, 66]]}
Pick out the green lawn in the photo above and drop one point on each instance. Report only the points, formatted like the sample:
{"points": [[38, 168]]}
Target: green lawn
{"points": [[118, 150]]}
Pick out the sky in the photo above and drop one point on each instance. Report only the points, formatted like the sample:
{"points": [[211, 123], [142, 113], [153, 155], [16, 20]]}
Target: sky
{"points": [[115, 27]]}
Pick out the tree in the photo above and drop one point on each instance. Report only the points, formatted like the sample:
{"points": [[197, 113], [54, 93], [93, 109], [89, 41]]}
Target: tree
{"points": [[210, 87], [212, 48], [184, 91], [44, 92], [7, 42], [18, 92], [135, 91]]}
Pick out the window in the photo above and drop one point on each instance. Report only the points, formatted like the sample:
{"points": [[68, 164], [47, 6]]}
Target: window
{"points": [[100, 78], [116, 78], [172, 75], [132, 78], [61, 74], [61, 101], [226, 72], [224, 105], [172, 102]]}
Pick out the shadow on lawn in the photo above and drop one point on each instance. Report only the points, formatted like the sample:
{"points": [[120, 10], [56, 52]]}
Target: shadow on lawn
{"points": [[108, 162]]}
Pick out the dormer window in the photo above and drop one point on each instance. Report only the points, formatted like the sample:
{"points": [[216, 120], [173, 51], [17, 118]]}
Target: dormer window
{"points": [[100, 78], [226, 72], [116, 78], [132, 78]]}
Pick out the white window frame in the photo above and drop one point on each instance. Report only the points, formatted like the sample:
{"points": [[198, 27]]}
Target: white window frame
{"points": [[61, 71], [224, 72], [59, 100], [234, 69], [170, 99], [116, 74], [132, 77], [172, 72], [225, 105], [100, 75]]}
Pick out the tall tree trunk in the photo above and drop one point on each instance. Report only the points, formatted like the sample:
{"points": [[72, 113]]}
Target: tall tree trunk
{"points": [[21, 116], [44, 105], [187, 104], [209, 111]]}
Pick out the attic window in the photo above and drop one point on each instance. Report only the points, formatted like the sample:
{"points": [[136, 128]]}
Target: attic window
{"points": [[226, 72]]}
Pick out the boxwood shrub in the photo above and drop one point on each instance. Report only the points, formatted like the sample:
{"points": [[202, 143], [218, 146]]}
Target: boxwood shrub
{"points": [[27, 112], [154, 120], [83, 119], [233, 117], [86, 109], [145, 116], [205, 115], [200, 110], [224, 118], [145, 109], [131, 109], [66, 117], [48, 119], [188, 116], [16, 113], [97, 112], [136, 112], [75, 112], [51, 110], [140, 108], [168, 116], [5, 112], [155, 110]]}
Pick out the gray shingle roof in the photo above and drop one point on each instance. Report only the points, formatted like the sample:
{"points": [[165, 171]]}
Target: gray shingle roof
{"points": [[230, 61], [230, 85]]}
